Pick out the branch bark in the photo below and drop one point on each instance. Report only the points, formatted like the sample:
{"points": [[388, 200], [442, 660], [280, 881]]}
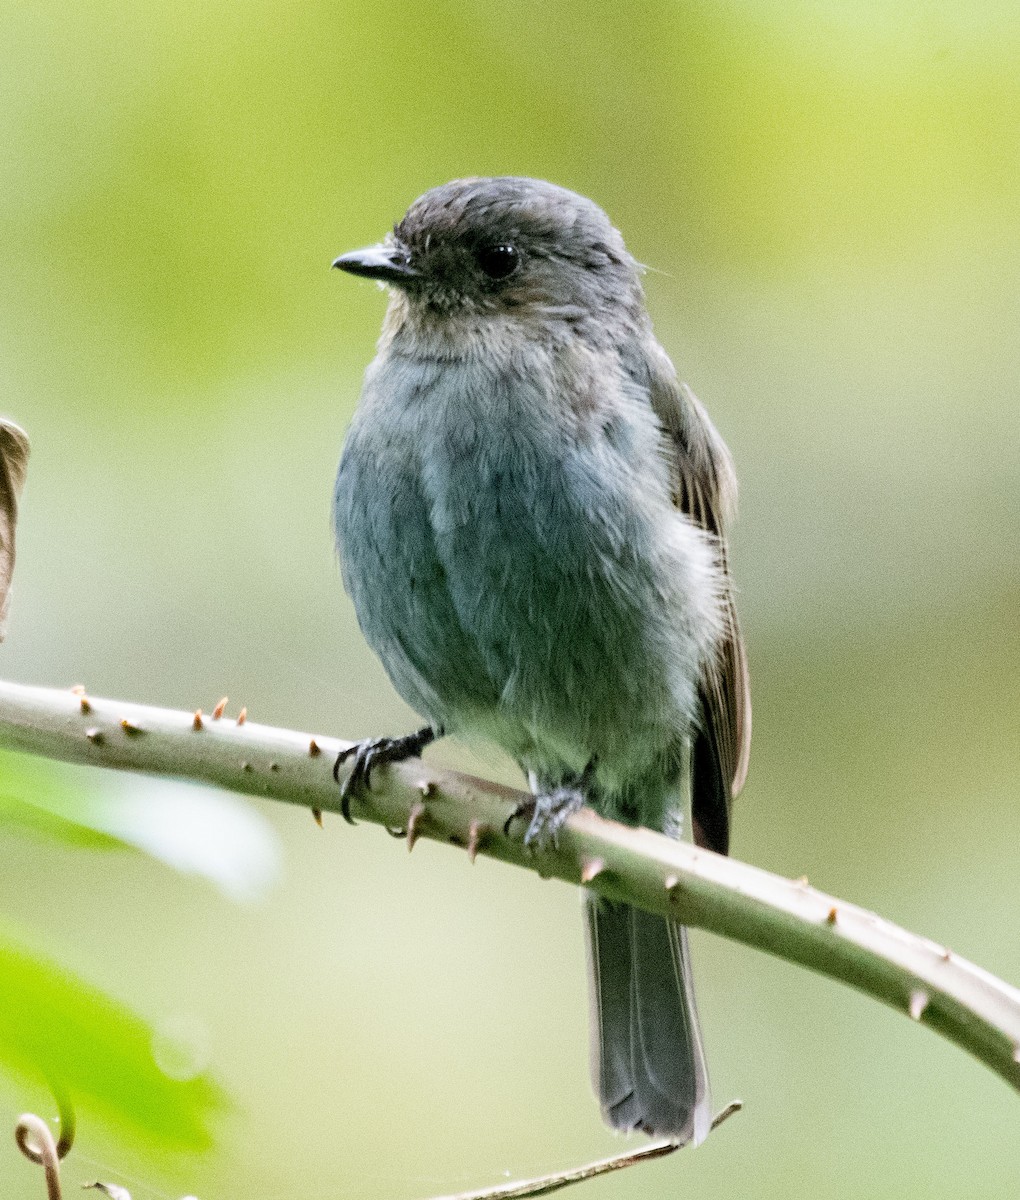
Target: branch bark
{"points": [[789, 919]]}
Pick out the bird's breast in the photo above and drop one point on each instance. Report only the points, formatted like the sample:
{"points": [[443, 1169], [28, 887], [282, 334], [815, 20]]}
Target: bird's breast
{"points": [[580, 590]]}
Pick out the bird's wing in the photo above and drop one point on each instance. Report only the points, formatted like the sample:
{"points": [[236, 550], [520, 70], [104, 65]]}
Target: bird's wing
{"points": [[706, 490]]}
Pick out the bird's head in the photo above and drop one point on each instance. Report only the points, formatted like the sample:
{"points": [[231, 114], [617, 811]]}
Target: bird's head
{"points": [[504, 247]]}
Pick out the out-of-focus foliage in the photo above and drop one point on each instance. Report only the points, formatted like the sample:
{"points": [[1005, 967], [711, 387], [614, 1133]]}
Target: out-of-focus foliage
{"points": [[828, 197], [59, 1030], [193, 829], [23, 783], [55, 1027], [14, 451]]}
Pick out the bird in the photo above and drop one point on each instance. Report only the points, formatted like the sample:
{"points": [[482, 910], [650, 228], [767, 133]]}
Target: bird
{"points": [[531, 514]]}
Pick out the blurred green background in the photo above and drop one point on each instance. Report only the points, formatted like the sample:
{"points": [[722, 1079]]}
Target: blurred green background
{"points": [[829, 194]]}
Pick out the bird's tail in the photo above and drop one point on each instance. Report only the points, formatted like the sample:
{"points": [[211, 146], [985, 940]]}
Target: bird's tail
{"points": [[648, 1065]]}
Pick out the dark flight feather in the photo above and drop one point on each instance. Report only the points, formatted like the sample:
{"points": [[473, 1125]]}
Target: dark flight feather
{"points": [[706, 490]]}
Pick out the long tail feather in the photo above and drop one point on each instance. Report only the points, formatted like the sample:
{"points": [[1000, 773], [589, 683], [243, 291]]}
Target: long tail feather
{"points": [[648, 1064]]}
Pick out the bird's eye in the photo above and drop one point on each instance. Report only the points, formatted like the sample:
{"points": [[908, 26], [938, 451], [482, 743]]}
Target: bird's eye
{"points": [[498, 261]]}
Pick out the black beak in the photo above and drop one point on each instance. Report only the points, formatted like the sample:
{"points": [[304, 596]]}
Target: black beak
{"points": [[391, 264]]}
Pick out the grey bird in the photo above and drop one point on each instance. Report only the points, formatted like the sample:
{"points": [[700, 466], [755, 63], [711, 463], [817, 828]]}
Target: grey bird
{"points": [[530, 513]]}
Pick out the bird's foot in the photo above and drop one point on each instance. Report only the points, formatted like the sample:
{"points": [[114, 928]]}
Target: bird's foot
{"points": [[551, 810], [526, 808], [371, 753]]}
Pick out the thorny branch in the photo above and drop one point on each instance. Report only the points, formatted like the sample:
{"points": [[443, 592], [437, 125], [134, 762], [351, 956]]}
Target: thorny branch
{"points": [[787, 918]]}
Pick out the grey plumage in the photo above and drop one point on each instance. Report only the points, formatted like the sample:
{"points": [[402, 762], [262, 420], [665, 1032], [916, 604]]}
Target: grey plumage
{"points": [[648, 1064], [530, 513]]}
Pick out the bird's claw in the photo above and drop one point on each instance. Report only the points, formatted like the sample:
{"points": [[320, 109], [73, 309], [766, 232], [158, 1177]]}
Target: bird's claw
{"points": [[371, 753], [526, 808], [365, 754], [551, 810]]}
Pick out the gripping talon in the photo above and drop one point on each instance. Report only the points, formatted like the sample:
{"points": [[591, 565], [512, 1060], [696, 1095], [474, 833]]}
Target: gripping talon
{"points": [[551, 813], [345, 789], [341, 758], [370, 753], [550, 807], [553, 808], [526, 808]]}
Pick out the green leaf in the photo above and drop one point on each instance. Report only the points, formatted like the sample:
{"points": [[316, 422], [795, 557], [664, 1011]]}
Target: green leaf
{"points": [[190, 828], [39, 798], [58, 1029]]}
